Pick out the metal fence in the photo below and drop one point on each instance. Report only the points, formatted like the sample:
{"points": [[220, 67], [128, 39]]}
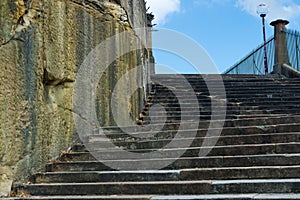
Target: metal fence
{"points": [[253, 63], [293, 43]]}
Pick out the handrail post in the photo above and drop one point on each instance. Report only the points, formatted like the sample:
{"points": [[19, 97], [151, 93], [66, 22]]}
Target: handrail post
{"points": [[281, 51]]}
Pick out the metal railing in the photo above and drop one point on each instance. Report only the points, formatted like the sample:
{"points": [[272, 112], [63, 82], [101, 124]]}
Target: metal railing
{"points": [[293, 44], [253, 63]]}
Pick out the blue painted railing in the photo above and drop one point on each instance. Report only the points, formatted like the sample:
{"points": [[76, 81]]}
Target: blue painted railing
{"points": [[293, 44], [253, 63]]}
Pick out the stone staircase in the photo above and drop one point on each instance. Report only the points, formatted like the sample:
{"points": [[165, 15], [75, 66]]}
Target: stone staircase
{"points": [[257, 155]]}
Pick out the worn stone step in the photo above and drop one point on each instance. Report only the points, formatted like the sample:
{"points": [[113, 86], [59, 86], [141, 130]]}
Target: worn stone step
{"points": [[251, 149], [160, 117], [231, 108], [232, 112], [281, 111], [239, 91], [257, 186], [121, 188], [218, 93], [206, 96], [220, 85], [228, 104], [195, 142], [170, 121], [229, 77], [225, 84], [85, 197], [236, 107], [178, 116], [184, 118], [106, 176], [207, 102], [229, 96], [266, 172], [254, 196], [183, 162], [238, 79], [229, 100], [187, 118], [242, 77], [237, 112], [213, 82], [199, 80], [116, 133], [262, 121], [225, 80], [168, 187]]}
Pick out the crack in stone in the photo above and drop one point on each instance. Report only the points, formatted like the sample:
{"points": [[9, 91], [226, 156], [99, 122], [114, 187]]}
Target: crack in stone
{"points": [[93, 4], [78, 114], [96, 5]]}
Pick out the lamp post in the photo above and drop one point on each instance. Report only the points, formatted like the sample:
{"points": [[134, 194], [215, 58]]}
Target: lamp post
{"points": [[262, 11]]}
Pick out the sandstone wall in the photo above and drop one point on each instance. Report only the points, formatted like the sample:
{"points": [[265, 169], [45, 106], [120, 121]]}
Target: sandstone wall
{"points": [[42, 45]]}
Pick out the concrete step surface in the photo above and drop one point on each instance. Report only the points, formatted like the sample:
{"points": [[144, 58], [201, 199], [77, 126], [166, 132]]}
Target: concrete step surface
{"points": [[254, 196], [183, 162], [140, 143], [243, 186], [230, 173], [252, 149], [261, 121], [116, 134], [257, 100], [248, 112]]}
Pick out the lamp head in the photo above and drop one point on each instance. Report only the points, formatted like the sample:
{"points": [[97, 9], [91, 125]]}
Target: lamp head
{"points": [[262, 10]]}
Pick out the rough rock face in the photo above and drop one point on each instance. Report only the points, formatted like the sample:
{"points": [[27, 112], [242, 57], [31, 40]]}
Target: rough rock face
{"points": [[42, 45]]}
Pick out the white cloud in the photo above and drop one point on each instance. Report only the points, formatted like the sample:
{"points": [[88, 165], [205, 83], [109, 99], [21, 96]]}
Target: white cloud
{"points": [[210, 3], [162, 8], [278, 9], [283, 9]]}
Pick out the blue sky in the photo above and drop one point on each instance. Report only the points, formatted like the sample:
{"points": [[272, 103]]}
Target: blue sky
{"points": [[227, 29]]}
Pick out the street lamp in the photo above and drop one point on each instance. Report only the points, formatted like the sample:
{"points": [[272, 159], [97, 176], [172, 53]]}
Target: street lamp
{"points": [[262, 11]]}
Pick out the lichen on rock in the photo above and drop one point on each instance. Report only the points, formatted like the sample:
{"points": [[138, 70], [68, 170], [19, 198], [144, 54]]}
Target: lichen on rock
{"points": [[14, 17]]}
